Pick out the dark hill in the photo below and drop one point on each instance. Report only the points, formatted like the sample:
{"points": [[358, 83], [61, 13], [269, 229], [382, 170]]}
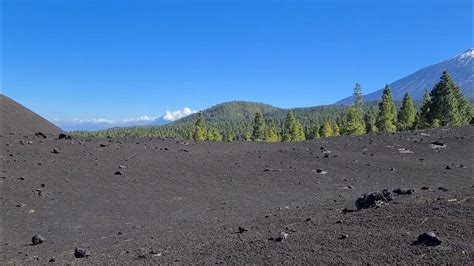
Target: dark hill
{"points": [[15, 118]]}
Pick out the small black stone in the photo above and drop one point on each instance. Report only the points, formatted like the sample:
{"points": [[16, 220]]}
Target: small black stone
{"points": [[242, 230], [81, 253], [427, 239], [443, 189], [37, 239]]}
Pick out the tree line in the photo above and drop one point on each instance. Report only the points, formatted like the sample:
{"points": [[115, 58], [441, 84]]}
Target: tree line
{"points": [[445, 105]]}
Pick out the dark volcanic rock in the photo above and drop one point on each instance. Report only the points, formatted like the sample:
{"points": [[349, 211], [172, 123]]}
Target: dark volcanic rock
{"points": [[81, 253], [40, 135], [427, 239], [118, 173], [65, 136], [37, 239], [282, 236], [403, 191], [242, 230], [55, 151], [373, 199]]}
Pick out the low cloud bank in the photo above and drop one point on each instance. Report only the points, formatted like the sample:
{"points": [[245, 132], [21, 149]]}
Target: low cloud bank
{"points": [[175, 115], [100, 123]]}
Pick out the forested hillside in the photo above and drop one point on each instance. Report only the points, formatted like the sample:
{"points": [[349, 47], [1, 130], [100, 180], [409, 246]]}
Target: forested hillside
{"points": [[444, 106]]}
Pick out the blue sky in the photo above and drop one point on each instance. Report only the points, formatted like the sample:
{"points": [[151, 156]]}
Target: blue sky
{"points": [[121, 60]]}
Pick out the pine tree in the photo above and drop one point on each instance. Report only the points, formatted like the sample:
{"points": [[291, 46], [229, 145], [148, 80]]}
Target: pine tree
{"points": [[407, 114], [327, 130], [230, 136], [315, 132], [358, 98], [448, 104], [298, 132], [293, 130], [272, 134], [370, 120], [248, 136], [336, 130], [387, 112], [423, 116], [213, 134], [200, 133], [354, 125], [258, 133]]}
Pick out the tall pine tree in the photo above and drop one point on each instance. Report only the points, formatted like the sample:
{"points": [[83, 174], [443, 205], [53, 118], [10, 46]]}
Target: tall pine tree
{"points": [[370, 120], [358, 98], [200, 133], [258, 133], [293, 130], [387, 112], [407, 114], [327, 130], [448, 104], [354, 125], [423, 116]]}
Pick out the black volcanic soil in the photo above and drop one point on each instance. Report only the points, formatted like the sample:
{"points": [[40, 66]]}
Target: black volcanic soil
{"points": [[175, 202], [16, 118]]}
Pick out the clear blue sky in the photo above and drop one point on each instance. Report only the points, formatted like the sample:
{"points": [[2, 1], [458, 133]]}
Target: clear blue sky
{"points": [[116, 60]]}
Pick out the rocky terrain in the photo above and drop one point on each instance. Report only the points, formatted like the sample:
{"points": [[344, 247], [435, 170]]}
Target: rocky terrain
{"points": [[140, 200]]}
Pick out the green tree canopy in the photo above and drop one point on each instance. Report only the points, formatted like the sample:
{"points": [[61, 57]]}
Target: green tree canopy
{"points": [[423, 116], [387, 112], [327, 130], [258, 133], [370, 119], [293, 130], [358, 98], [448, 104], [407, 114], [354, 124], [200, 133]]}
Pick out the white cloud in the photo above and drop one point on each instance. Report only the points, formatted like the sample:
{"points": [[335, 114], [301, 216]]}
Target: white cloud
{"points": [[175, 115], [101, 123]]}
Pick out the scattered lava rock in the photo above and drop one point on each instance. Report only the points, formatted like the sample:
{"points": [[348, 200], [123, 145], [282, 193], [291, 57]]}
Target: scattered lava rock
{"points": [[242, 230], [55, 151], [320, 171], [403, 191], [81, 253], [65, 136], [443, 189], [282, 236], [425, 188], [52, 260], [427, 239], [448, 167], [343, 236], [118, 173], [437, 145], [373, 199], [40, 135], [37, 239]]}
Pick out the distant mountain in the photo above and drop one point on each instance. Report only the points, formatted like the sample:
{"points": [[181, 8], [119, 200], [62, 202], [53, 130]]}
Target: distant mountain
{"points": [[16, 118], [459, 67]]}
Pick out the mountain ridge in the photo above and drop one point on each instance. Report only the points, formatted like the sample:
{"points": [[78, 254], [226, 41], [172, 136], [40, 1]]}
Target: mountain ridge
{"points": [[459, 67]]}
